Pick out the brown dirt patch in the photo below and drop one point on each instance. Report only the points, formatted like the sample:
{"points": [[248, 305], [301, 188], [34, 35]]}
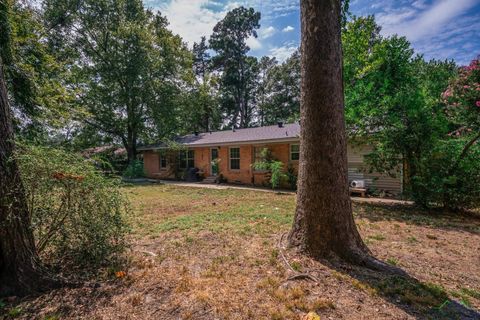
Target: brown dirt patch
{"points": [[212, 254]]}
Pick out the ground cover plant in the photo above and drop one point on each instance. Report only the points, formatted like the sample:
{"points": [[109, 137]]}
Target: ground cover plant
{"points": [[214, 254]]}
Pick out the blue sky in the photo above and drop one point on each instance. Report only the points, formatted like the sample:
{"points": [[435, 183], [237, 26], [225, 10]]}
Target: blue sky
{"points": [[440, 29]]}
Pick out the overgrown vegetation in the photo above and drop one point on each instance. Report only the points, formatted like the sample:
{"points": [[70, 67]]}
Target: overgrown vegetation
{"points": [[78, 215], [444, 181], [134, 170]]}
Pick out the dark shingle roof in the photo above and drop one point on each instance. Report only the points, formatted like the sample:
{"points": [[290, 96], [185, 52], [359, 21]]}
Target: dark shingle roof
{"points": [[287, 132]]}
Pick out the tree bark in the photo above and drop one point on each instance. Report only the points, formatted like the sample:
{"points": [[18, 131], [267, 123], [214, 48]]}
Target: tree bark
{"points": [[323, 226], [20, 270]]}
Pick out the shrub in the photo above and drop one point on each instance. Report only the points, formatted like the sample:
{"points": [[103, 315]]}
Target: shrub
{"points": [[78, 215], [134, 170], [275, 168], [292, 177], [444, 180]]}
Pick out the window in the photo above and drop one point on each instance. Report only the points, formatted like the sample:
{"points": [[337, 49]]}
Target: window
{"points": [[259, 155], [187, 159], [234, 158], [163, 161], [294, 152]]}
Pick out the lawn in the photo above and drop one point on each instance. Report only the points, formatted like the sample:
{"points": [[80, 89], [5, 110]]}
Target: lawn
{"points": [[215, 254]]}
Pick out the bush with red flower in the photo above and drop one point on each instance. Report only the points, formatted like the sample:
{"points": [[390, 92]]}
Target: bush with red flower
{"points": [[449, 175], [462, 99]]}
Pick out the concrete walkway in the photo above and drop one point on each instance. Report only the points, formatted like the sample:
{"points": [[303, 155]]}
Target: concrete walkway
{"points": [[229, 186]]}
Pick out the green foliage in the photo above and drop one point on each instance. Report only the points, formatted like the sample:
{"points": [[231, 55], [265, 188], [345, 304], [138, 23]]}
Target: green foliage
{"points": [[34, 76], [292, 177], [130, 67], [279, 90], [78, 215], [202, 111], [462, 99], [436, 184], [239, 72], [449, 174], [275, 168], [134, 170], [393, 98]]}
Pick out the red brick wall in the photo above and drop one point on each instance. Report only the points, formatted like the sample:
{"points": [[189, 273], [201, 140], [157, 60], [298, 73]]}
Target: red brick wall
{"points": [[151, 164], [202, 160], [246, 174], [281, 152]]}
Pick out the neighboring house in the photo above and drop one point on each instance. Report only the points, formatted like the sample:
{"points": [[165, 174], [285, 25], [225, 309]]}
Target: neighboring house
{"points": [[236, 150]]}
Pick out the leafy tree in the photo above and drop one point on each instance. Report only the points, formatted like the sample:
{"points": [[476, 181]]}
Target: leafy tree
{"points": [[238, 71], [462, 100], [450, 173], [265, 65], [34, 77], [202, 112], [131, 68], [390, 98], [20, 269], [201, 59], [281, 92]]}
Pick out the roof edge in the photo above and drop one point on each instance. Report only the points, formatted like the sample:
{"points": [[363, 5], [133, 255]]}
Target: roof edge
{"points": [[233, 143]]}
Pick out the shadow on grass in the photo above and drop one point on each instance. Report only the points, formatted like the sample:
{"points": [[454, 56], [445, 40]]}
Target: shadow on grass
{"points": [[418, 299], [435, 219]]}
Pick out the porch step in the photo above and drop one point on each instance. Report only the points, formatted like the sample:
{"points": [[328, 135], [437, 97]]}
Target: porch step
{"points": [[209, 180]]}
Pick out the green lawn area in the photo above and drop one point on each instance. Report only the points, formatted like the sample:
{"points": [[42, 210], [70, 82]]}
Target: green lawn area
{"points": [[213, 254]]}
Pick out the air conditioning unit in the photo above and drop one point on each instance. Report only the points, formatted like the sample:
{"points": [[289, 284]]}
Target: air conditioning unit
{"points": [[357, 184]]}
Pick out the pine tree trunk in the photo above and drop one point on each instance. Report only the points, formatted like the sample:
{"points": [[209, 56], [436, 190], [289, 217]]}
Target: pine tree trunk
{"points": [[324, 225], [20, 271]]}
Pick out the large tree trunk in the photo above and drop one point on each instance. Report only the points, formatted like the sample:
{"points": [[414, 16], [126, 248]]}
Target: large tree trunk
{"points": [[20, 271], [324, 225], [131, 145]]}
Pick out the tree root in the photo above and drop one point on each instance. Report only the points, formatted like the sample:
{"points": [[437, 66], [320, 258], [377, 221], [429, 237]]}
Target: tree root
{"points": [[297, 275], [373, 263]]}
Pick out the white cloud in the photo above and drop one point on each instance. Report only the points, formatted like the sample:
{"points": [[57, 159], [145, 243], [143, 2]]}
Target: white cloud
{"points": [[267, 32], [190, 18], [284, 52], [416, 24], [288, 29], [253, 43], [420, 4]]}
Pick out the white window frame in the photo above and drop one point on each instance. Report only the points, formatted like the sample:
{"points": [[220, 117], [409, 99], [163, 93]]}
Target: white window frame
{"points": [[291, 151], [230, 158], [259, 147], [160, 158], [187, 159]]}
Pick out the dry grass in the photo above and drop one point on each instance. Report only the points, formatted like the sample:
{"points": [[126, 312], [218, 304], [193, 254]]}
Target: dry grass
{"points": [[212, 254]]}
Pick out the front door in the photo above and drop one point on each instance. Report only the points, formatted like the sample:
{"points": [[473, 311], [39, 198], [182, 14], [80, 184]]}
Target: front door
{"points": [[214, 161]]}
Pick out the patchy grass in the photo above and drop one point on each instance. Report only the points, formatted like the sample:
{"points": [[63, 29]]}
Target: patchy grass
{"points": [[213, 254]]}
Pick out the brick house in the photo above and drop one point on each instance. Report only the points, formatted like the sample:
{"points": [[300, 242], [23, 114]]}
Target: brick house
{"points": [[232, 153]]}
